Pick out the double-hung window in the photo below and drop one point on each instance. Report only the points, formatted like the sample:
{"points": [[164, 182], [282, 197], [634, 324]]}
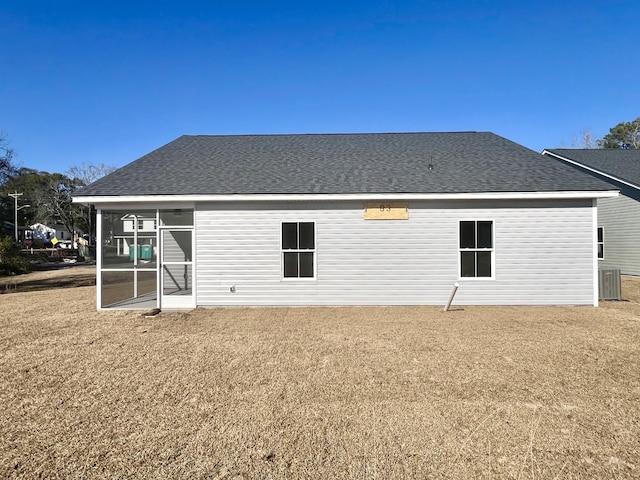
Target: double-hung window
{"points": [[476, 249], [600, 243], [298, 249]]}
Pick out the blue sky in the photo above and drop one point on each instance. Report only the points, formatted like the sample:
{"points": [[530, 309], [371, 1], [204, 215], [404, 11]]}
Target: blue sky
{"points": [[107, 82]]}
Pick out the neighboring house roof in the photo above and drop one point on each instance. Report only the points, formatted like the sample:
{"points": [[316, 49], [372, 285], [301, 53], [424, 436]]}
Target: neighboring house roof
{"points": [[616, 164], [387, 163]]}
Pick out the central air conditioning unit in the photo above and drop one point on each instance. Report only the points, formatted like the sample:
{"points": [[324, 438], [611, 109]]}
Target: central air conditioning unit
{"points": [[609, 284]]}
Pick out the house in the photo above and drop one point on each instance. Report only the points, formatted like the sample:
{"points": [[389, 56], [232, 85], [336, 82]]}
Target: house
{"points": [[618, 217], [345, 219], [24, 234]]}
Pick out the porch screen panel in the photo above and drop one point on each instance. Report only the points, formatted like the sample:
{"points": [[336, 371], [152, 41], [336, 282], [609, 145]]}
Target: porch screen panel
{"points": [[117, 287], [129, 239], [129, 252], [177, 246], [177, 279]]}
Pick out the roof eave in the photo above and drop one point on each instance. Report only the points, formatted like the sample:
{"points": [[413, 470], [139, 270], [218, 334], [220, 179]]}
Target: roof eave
{"points": [[151, 199], [591, 169]]}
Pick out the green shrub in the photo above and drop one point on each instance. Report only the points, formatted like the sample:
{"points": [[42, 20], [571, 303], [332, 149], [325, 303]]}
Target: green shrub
{"points": [[11, 259]]}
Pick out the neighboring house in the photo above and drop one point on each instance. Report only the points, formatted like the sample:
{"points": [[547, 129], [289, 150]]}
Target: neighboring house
{"points": [[25, 234], [618, 217], [345, 219]]}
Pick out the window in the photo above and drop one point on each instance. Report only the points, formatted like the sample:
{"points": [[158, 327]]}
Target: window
{"points": [[476, 249], [600, 243], [298, 249]]}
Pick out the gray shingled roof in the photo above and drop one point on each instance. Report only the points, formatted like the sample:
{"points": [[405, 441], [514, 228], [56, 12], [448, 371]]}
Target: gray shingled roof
{"points": [[622, 164], [464, 162]]}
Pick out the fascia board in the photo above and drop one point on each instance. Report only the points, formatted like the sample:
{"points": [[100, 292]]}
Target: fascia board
{"points": [[155, 199]]}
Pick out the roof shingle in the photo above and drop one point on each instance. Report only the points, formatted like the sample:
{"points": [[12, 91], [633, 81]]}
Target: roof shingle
{"points": [[463, 162], [619, 163]]}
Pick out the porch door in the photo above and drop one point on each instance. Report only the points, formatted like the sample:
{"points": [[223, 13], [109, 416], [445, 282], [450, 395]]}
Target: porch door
{"points": [[176, 268]]}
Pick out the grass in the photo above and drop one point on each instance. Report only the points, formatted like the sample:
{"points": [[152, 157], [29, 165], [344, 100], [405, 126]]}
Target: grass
{"points": [[413, 392]]}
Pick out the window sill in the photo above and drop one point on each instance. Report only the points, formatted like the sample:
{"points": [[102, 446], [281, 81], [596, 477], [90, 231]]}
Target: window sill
{"points": [[476, 279]]}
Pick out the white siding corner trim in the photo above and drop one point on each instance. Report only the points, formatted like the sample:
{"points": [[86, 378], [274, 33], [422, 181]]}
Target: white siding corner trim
{"points": [[594, 210]]}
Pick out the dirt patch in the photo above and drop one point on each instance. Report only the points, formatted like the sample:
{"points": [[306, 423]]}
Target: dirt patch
{"points": [[57, 276], [413, 392]]}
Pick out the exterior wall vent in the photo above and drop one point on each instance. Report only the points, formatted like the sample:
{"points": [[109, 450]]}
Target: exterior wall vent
{"points": [[609, 284]]}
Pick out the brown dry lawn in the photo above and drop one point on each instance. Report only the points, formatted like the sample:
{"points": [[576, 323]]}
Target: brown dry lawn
{"points": [[478, 392]]}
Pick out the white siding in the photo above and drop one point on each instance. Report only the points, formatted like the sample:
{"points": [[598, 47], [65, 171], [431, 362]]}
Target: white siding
{"points": [[544, 254], [620, 218]]}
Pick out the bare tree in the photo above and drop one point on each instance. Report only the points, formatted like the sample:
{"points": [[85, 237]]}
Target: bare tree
{"points": [[85, 174], [88, 173], [584, 140], [53, 201]]}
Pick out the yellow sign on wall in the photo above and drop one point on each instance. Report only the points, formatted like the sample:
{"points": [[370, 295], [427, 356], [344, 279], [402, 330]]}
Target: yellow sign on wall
{"points": [[386, 210]]}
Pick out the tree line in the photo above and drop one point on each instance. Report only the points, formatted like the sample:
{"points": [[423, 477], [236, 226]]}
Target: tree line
{"points": [[625, 136], [49, 195]]}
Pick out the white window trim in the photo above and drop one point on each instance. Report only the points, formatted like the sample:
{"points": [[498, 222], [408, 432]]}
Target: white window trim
{"points": [[313, 251], [492, 250], [598, 243]]}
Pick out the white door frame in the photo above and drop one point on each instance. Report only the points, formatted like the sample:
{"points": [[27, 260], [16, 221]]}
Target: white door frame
{"points": [[181, 301]]}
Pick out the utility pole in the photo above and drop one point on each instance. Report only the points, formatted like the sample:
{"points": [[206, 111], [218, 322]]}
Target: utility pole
{"points": [[15, 196]]}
